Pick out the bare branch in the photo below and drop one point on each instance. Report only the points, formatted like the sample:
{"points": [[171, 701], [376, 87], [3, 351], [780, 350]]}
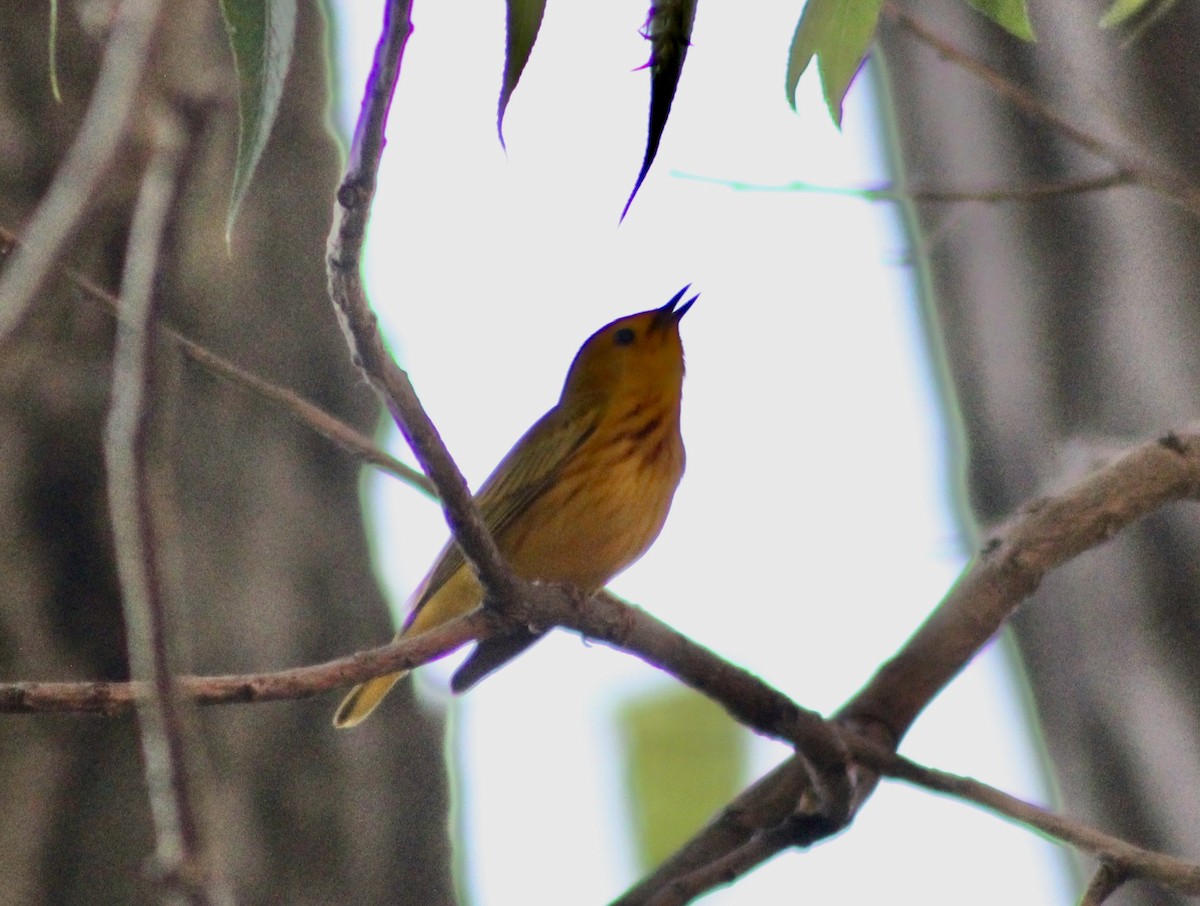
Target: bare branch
{"points": [[1125, 859], [182, 863], [100, 134]]}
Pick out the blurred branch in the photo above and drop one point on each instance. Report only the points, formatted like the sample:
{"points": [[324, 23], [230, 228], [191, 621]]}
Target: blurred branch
{"points": [[1035, 192], [1104, 883], [296, 683], [1137, 167], [99, 136], [354, 442], [181, 861]]}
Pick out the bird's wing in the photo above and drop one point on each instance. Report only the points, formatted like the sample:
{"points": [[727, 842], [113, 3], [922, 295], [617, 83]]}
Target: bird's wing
{"points": [[530, 467]]}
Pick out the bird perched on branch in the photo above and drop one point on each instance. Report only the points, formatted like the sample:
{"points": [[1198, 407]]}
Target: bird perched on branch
{"points": [[580, 497]]}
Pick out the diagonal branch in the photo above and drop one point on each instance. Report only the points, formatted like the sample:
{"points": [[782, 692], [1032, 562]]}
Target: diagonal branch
{"points": [[354, 442]]}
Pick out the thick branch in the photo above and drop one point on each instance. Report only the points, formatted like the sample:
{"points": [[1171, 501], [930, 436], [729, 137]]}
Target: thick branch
{"points": [[1045, 534]]}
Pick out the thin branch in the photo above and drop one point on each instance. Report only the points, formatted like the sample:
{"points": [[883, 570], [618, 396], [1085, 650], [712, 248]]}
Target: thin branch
{"points": [[606, 618], [180, 856], [100, 134], [111, 699], [1171, 185], [344, 254], [1125, 859], [354, 442], [1030, 193]]}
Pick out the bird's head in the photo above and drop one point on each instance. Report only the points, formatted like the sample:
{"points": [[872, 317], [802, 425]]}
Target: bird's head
{"points": [[638, 355]]}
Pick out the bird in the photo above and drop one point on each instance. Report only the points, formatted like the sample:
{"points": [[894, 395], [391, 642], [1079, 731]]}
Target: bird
{"points": [[581, 496]]}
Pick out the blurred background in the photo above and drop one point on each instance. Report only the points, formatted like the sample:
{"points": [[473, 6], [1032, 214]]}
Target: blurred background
{"points": [[868, 384]]}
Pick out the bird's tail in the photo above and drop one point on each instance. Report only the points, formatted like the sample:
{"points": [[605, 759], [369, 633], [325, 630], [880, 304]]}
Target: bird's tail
{"points": [[363, 698]]}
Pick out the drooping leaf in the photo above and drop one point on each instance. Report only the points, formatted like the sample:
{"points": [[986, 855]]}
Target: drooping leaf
{"points": [[837, 34], [524, 18], [669, 31], [1011, 15], [261, 34], [683, 759]]}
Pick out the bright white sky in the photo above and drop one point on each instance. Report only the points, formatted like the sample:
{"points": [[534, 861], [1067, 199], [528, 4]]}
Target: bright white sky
{"points": [[812, 531]]}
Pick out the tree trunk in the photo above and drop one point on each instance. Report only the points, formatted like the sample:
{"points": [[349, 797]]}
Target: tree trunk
{"points": [[263, 535], [1070, 328]]}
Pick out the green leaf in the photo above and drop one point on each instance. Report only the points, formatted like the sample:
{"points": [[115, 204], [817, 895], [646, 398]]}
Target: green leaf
{"points": [[837, 34], [524, 19], [1011, 15], [261, 34], [684, 758]]}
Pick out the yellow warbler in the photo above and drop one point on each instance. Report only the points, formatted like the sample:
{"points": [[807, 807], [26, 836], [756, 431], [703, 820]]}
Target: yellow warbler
{"points": [[581, 496]]}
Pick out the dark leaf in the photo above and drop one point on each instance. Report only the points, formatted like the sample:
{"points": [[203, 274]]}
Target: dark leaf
{"points": [[669, 30]]}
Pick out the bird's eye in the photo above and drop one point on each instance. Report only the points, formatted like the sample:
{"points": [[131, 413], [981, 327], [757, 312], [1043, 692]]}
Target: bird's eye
{"points": [[624, 336]]}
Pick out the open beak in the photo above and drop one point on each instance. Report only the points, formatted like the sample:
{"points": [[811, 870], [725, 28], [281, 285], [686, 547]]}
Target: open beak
{"points": [[669, 314]]}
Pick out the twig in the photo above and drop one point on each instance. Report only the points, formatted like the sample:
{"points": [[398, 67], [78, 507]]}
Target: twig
{"points": [[1036, 192], [99, 136], [354, 442], [181, 860], [1125, 859], [1171, 185], [111, 699]]}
